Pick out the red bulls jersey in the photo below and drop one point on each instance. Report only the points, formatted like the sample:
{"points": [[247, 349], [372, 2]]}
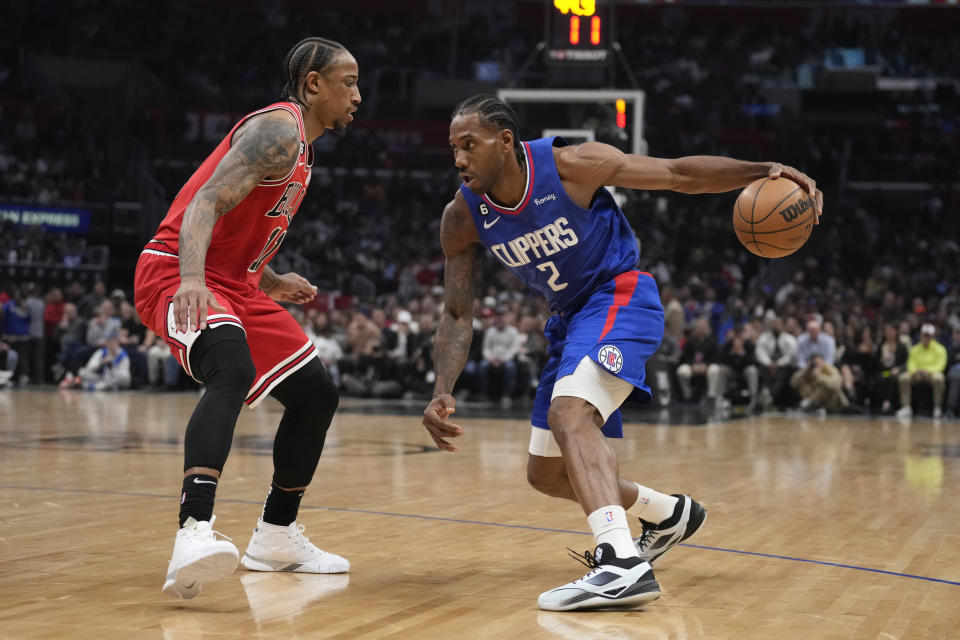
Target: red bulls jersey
{"points": [[248, 236]]}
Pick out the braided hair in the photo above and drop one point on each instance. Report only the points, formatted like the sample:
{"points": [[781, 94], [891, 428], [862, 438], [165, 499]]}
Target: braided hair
{"points": [[310, 54], [494, 112]]}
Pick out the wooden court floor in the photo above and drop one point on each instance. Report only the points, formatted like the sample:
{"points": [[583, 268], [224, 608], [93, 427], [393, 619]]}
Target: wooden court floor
{"points": [[818, 528]]}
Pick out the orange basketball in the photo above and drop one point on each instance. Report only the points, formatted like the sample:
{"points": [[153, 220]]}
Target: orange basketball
{"points": [[773, 218]]}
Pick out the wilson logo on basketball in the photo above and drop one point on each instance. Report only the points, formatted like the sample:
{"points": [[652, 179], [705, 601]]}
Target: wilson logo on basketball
{"points": [[795, 210]]}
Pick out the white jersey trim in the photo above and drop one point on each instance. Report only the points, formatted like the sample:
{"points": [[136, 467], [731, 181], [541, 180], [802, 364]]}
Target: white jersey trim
{"points": [[526, 188], [159, 253], [263, 386]]}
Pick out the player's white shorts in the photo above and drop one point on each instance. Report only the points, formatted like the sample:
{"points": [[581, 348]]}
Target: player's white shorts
{"points": [[589, 381]]}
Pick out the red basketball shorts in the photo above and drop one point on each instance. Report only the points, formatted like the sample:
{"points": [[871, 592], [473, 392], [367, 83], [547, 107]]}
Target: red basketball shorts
{"points": [[277, 342]]}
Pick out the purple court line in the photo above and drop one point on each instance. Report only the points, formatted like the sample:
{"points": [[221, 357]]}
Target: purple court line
{"points": [[490, 524]]}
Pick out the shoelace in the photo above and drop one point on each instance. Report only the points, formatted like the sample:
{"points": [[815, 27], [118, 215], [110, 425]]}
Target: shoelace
{"points": [[647, 538], [587, 559], [299, 539], [210, 532]]}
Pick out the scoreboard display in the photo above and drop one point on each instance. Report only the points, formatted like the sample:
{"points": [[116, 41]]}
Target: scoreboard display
{"points": [[578, 32]]}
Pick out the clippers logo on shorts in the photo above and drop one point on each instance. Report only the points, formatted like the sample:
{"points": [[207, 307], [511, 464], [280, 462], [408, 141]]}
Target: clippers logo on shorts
{"points": [[611, 358]]}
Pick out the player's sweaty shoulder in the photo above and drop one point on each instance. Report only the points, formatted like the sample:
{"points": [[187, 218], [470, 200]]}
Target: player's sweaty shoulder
{"points": [[269, 143], [457, 230]]}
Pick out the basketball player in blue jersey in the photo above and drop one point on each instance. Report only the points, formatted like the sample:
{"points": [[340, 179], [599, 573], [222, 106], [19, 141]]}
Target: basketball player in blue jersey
{"points": [[540, 207]]}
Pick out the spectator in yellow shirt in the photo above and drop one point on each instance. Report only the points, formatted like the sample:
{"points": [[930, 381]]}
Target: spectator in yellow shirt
{"points": [[927, 361]]}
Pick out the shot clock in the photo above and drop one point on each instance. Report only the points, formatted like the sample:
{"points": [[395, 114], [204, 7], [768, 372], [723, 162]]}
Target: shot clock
{"points": [[578, 32]]}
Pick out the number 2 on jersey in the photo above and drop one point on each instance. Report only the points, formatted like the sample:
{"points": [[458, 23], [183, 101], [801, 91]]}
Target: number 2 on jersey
{"points": [[554, 274]]}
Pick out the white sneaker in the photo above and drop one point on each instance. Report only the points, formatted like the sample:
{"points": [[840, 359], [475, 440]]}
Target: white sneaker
{"points": [[198, 558], [612, 582], [905, 412], [687, 518], [277, 548], [937, 413]]}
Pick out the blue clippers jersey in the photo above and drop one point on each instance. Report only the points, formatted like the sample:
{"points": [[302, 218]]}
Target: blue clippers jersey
{"points": [[556, 248]]}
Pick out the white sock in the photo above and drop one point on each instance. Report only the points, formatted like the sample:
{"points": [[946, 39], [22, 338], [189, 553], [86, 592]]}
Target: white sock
{"points": [[609, 524], [651, 505]]}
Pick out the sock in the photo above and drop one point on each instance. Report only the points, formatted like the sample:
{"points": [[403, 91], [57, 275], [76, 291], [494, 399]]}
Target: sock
{"points": [[609, 524], [652, 506], [196, 499], [281, 507]]}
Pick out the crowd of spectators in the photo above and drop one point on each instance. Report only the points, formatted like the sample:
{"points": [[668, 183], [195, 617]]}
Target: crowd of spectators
{"points": [[69, 148], [740, 330], [35, 245], [883, 358]]}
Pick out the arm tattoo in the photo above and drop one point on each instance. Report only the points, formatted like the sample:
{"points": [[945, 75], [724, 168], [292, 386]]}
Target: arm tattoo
{"points": [[455, 330], [269, 280], [266, 146]]}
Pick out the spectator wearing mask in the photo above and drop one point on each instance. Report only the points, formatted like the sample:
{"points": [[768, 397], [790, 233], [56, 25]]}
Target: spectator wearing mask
{"points": [[925, 365]]}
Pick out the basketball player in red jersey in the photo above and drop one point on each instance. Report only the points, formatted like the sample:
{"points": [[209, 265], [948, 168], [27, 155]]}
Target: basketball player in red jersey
{"points": [[203, 284]]}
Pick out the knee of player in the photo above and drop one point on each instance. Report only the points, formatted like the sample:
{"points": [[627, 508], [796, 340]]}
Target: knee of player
{"points": [[327, 393], [544, 480], [316, 389], [244, 373], [568, 416]]}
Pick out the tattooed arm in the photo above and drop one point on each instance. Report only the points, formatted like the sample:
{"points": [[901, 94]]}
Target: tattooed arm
{"points": [[455, 331], [265, 147]]}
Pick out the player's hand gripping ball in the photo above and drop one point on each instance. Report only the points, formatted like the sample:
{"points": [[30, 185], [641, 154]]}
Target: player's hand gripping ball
{"points": [[773, 217]]}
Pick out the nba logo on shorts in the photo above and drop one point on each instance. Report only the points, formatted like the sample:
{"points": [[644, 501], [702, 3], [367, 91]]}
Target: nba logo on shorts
{"points": [[608, 516], [611, 358]]}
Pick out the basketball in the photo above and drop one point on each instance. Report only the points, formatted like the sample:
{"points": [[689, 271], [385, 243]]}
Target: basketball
{"points": [[773, 217]]}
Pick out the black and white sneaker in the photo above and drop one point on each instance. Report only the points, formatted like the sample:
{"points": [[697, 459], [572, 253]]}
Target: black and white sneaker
{"points": [[612, 582], [656, 539]]}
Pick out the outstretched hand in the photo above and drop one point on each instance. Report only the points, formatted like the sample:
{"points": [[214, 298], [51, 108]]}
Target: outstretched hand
{"points": [[435, 420], [805, 181], [291, 287]]}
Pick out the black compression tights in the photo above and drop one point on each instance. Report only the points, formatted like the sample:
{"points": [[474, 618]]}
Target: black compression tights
{"points": [[220, 358], [309, 398]]}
